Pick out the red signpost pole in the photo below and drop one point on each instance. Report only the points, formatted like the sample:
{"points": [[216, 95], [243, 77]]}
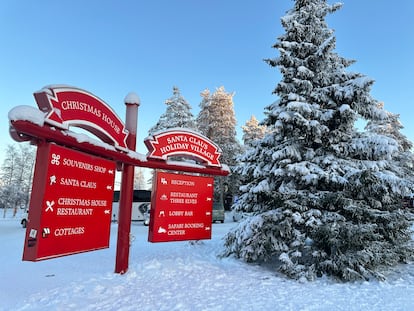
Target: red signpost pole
{"points": [[127, 187]]}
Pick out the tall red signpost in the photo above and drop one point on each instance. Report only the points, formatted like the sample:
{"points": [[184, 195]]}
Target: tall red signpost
{"points": [[127, 189], [70, 206]]}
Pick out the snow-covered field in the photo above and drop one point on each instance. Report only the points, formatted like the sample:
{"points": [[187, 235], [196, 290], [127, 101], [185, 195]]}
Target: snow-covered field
{"points": [[177, 276]]}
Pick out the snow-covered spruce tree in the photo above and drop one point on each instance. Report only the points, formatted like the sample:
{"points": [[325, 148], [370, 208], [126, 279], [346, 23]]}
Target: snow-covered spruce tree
{"points": [[252, 131], [391, 127], [202, 120], [217, 121], [177, 114], [324, 197]]}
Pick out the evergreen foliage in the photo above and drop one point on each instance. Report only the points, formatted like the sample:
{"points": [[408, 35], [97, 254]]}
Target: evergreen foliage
{"points": [[177, 114], [217, 121], [391, 127], [252, 131], [16, 176], [203, 117], [325, 197]]}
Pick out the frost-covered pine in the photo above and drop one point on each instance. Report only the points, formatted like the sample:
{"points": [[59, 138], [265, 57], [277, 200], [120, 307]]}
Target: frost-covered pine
{"points": [[202, 120], [16, 176], [391, 127], [217, 121], [252, 131], [325, 198], [177, 114]]}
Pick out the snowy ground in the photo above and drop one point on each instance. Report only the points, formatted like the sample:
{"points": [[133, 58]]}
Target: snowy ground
{"points": [[177, 276]]}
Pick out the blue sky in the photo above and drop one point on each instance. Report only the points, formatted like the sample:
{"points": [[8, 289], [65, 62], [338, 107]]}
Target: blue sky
{"points": [[113, 47]]}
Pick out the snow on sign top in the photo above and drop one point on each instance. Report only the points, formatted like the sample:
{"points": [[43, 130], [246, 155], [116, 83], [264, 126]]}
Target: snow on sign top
{"points": [[69, 106], [132, 98], [27, 113], [185, 142]]}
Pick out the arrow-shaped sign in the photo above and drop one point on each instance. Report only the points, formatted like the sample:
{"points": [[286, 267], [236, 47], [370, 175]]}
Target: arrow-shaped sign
{"points": [[183, 142], [68, 106]]}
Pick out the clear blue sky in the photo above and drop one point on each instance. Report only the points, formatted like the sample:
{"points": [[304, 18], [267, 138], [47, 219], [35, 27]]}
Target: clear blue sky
{"points": [[113, 47]]}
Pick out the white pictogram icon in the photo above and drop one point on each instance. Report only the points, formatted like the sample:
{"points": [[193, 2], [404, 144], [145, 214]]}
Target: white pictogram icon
{"points": [[33, 233], [164, 181], [164, 197], [55, 159], [161, 230], [49, 206], [162, 213], [52, 180], [46, 232]]}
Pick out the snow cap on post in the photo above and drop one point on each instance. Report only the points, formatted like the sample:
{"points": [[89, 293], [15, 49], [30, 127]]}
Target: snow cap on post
{"points": [[132, 99]]}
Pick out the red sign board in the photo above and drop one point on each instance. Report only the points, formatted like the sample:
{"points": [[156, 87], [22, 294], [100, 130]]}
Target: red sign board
{"points": [[181, 208], [71, 203], [67, 106], [183, 142]]}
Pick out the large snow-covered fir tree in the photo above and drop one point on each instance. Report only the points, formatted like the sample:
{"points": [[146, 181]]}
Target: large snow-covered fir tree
{"points": [[325, 198], [217, 121], [177, 114]]}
